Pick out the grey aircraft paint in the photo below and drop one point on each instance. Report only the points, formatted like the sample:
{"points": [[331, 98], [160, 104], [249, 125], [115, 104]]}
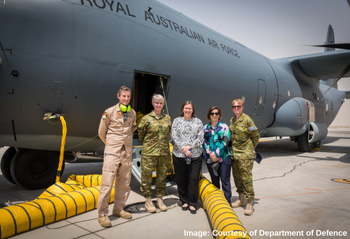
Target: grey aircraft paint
{"points": [[71, 56]]}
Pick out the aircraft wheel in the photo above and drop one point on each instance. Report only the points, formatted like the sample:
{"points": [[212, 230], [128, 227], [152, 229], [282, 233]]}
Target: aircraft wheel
{"points": [[317, 144], [304, 139], [6, 164], [34, 169]]}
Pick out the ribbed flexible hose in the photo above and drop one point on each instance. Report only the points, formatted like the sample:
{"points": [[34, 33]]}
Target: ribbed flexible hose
{"points": [[63, 142], [223, 219], [60, 201]]}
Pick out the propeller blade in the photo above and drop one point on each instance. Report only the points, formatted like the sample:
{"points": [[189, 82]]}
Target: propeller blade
{"points": [[346, 70], [345, 46]]}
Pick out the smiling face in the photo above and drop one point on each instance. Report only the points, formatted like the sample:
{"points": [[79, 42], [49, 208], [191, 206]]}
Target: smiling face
{"points": [[214, 115], [158, 105], [237, 108], [188, 110], [124, 97]]}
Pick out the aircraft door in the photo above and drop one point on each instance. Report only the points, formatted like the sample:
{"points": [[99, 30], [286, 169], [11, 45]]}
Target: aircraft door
{"points": [[144, 86], [260, 99]]}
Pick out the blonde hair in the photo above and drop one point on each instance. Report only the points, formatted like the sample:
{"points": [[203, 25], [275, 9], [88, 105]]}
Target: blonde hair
{"points": [[157, 97], [239, 101]]}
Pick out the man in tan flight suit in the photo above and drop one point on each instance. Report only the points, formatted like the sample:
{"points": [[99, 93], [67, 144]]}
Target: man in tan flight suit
{"points": [[116, 128]]}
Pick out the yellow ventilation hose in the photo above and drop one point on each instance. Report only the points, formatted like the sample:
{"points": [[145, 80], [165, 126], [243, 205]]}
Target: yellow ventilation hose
{"points": [[60, 201], [63, 142], [223, 219]]}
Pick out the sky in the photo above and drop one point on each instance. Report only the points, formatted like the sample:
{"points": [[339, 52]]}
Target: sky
{"points": [[276, 28]]}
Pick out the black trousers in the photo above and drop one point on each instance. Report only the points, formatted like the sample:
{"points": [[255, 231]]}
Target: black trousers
{"points": [[187, 179], [224, 174]]}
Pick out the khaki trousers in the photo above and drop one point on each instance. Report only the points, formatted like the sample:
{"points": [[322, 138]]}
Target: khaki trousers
{"points": [[113, 169]]}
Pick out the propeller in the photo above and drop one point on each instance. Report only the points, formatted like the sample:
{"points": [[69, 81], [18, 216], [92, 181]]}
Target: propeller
{"points": [[346, 70], [345, 46]]}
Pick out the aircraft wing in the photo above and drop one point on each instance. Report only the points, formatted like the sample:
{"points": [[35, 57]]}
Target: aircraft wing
{"points": [[325, 65]]}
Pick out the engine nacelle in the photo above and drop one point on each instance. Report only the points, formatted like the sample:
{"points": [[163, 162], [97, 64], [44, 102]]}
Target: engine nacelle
{"points": [[292, 119], [319, 130]]}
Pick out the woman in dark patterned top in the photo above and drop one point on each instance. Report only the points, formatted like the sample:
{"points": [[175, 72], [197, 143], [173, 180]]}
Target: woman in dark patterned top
{"points": [[187, 132], [217, 152]]}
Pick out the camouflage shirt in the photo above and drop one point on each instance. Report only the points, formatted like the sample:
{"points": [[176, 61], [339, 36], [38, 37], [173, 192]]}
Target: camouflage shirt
{"points": [[154, 134], [244, 137]]}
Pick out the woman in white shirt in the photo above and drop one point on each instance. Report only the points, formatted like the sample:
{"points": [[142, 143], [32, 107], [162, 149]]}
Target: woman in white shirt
{"points": [[187, 132]]}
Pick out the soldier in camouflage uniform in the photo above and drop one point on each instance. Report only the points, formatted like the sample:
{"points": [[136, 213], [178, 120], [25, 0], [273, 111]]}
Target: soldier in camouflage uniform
{"points": [[244, 137], [154, 130]]}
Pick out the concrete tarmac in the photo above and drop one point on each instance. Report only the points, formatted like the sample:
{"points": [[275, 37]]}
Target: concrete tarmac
{"points": [[297, 196]]}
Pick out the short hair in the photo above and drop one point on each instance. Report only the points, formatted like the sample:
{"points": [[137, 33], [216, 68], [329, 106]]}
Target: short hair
{"points": [[214, 108], [239, 101], [123, 88], [187, 103], [157, 97]]}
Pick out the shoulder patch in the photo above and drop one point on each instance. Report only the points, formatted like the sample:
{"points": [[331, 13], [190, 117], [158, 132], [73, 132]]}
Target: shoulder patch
{"points": [[104, 115]]}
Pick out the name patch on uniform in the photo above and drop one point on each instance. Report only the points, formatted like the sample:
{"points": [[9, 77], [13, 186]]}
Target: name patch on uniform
{"points": [[104, 115], [120, 114], [252, 128]]}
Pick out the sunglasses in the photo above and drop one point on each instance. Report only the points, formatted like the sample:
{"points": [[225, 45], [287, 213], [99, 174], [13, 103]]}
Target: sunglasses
{"points": [[236, 106], [215, 113]]}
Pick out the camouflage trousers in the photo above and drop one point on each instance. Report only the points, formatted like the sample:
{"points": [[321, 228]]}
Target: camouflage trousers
{"points": [[243, 177], [160, 164]]}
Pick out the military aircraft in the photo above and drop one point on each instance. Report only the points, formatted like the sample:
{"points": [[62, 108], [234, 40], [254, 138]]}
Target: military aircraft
{"points": [[69, 57]]}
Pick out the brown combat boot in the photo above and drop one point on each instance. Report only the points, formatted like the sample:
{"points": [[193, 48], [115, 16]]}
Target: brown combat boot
{"points": [[240, 202], [249, 208], [104, 221], [149, 205], [161, 205], [123, 214]]}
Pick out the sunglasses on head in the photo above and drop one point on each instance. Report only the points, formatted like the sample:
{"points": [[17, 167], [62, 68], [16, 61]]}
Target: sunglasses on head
{"points": [[214, 113], [236, 106]]}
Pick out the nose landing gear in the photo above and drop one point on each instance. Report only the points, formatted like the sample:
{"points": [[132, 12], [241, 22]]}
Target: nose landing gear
{"points": [[303, 140]]}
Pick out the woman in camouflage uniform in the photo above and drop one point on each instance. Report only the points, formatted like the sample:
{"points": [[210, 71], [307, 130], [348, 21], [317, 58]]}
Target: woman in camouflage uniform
{"points": [[244, 137], [154, 130]]}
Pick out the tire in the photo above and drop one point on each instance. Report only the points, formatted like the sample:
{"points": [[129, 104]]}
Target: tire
{"points": [[303, 142], [6, 164], [35, 169]]}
